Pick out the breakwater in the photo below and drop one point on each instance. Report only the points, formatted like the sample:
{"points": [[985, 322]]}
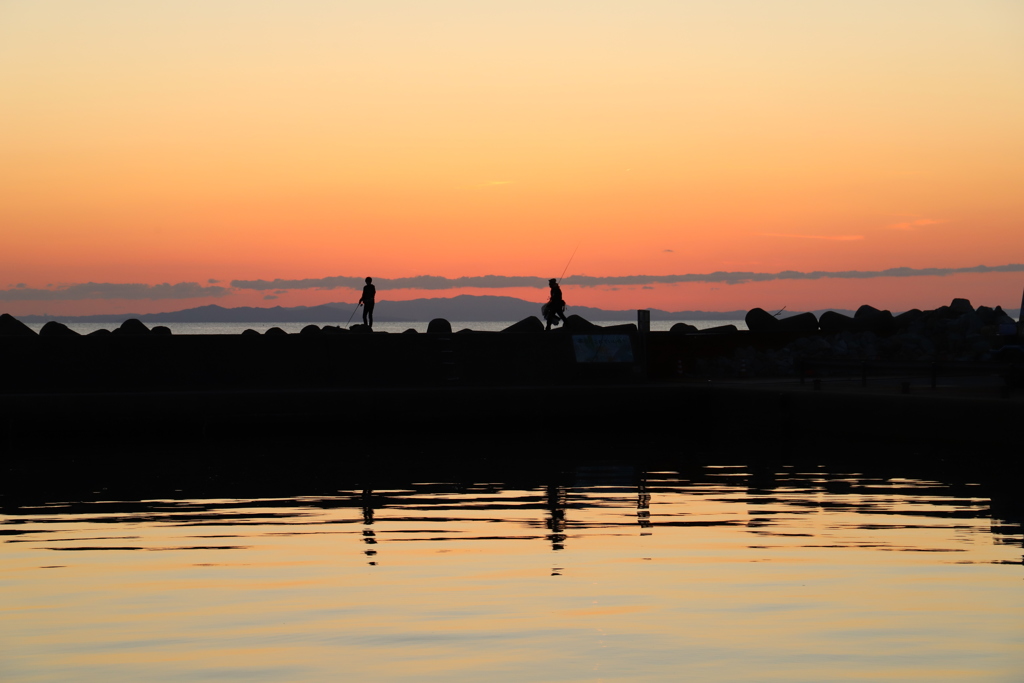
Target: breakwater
{"points": [[521, 385]]}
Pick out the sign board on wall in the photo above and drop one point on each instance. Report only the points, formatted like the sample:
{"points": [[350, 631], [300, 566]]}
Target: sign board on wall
{"points": [[602, 348]]}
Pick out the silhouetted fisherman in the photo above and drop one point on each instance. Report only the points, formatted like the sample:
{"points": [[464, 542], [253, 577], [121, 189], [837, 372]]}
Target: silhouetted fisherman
{"points": [[367, 302], [555, 307]]}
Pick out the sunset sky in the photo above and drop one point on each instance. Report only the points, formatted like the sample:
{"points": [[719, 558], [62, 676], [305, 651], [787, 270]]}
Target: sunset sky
{"points": [[162, 155]]}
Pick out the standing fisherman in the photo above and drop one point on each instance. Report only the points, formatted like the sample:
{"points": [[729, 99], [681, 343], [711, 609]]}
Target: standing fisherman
{"points": [[555, 307], [367, 301]]}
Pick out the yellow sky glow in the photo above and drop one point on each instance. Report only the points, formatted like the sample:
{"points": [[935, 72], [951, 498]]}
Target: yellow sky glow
{"points": [[182, 141]]}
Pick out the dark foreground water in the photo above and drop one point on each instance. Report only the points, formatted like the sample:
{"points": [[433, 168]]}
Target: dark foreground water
{"points": [[590, 571]]}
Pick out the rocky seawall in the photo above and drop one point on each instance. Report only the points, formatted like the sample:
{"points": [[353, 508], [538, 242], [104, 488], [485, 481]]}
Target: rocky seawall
{"points": [[958, 332], [523, 385], [134, 357]]}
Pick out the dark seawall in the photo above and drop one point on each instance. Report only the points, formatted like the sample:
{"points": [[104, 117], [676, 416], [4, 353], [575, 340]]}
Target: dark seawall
{"points": [[72, 389], [153, 415]]}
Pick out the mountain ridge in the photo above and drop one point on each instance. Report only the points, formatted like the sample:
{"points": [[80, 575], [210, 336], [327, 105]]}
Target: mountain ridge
{"points": [[463, 308]]}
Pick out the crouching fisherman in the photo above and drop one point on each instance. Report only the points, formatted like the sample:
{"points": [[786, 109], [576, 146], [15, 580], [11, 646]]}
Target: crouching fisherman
{"points": [[554, 309]]}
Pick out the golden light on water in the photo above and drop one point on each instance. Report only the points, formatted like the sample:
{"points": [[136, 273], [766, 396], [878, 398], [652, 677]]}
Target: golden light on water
{"points": [[893, 579]]}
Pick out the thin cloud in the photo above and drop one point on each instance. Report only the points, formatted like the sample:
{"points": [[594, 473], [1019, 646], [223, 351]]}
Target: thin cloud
{"points": [[668, 251], [107, 290], [837, 238], [337, 282], [435, 282], [915, 224], [417, 282], [737, 278], [192, 290]]}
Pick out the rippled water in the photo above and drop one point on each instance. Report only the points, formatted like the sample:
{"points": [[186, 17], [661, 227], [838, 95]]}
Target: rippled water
{"points": [[602, 573]]}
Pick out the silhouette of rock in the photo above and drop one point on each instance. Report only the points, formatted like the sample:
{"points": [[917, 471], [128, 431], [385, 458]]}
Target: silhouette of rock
{"points": [[831, 322], [760, 320], [439, 326], [275, 332], [970, 323], [801, 323], [961, 306], [531, 324], [360, 328], [250, 333], [464, 329], [721, 329], [410, 331], [11, 326], [99, 333], [624, 328], [333, 329], [55, 329], [986, 315], [907, 346], [811, 347], [906, 318], [869, 318], [683, 328], [932, 321], [575, 323], [161, 330], [132, 327], [310, 330], [865, 311]]}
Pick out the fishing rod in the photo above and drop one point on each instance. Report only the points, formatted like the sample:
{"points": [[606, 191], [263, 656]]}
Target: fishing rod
{"points": [[559, 280], [353, 314], [776, 314], [544, 309]]}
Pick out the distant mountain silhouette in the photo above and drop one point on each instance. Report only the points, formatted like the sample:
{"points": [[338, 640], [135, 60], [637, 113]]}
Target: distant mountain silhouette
{"points": [[463, 308]]}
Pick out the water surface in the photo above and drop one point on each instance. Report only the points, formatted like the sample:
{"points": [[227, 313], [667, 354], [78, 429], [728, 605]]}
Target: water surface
{"points": [[602, 573]]}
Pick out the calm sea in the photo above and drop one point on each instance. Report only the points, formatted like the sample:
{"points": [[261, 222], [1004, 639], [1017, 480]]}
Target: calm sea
{"points": [[601, 572], [238, 328]]}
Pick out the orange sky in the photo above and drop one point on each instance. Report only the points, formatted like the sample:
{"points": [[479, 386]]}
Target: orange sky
{"points": [[170, 142]]}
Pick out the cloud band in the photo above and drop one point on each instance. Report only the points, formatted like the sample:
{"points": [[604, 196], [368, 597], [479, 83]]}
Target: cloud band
{"points": [[192, 290], [106, 290], [504, 281]]}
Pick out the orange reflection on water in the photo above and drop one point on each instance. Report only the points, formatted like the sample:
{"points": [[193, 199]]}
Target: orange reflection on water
{"points": [[730, 576]]}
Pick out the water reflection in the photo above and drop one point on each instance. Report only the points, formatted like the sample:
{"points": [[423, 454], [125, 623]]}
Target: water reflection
{"points": [[557, 500], [592, 571], [764, 503]]}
